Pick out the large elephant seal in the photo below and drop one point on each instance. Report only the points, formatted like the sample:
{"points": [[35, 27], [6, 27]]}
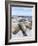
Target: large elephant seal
{"points": [[15, 28]]}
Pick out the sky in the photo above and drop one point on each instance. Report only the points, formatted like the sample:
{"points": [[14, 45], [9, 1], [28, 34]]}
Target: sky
{"points": [[21, 11]]}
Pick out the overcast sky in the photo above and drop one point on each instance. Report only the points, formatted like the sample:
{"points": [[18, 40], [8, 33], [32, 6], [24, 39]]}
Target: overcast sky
{"points": [[21, 11]]}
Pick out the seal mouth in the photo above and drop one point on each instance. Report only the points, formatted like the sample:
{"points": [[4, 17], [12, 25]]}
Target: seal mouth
{"points": [[15, 32]]}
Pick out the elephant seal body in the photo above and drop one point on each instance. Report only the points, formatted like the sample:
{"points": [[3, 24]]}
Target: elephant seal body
{"points": [[16, 27]]}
